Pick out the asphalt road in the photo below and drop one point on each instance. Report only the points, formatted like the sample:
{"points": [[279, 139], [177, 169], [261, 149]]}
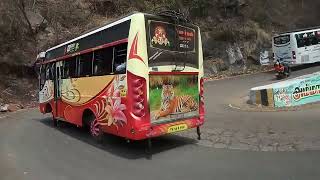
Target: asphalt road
{"points": [[299, 127], [30, 148]]}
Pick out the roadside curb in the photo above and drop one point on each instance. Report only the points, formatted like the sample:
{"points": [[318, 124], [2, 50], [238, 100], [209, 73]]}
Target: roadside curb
{"points": [[288, 93], [264, 97]]}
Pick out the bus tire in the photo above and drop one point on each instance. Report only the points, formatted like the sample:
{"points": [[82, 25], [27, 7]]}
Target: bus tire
{"points": [[96, 131]]}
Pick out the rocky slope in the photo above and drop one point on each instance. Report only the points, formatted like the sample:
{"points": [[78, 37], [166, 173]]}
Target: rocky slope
{"points": [[234, 32]]}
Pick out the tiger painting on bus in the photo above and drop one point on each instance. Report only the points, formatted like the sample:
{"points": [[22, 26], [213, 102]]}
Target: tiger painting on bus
{"points": [[171, 104], [173, 97]]}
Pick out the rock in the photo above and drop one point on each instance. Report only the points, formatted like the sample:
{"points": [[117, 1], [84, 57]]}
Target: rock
{"points": [[214, 66], [4, 108], [253, 59], [232, 6], [10, 107], [235, 57], [36, 20]]}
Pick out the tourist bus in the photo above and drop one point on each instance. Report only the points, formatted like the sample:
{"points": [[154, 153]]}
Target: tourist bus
{"points": [[297, 47], [137, 77]]}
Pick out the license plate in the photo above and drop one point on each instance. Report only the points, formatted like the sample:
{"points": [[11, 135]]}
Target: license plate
{"points": [[177, 128]]}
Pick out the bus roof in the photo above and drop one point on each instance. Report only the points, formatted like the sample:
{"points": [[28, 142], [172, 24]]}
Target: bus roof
{"points": [[298, 30], [106, 26], [93, 31]]}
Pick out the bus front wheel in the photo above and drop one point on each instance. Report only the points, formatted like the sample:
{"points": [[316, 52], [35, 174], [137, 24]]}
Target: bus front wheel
{"points": [[96, 130]]}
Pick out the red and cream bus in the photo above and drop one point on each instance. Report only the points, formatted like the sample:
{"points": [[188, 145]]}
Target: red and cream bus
{"points": [[138, 77]]}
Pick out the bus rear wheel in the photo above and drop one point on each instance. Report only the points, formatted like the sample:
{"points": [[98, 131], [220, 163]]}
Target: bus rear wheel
{"points": [[96, 130]]}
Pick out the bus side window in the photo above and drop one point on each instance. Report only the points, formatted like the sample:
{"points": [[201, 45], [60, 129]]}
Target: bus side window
{"points": [[85, 65], [69, 68], [42, 76], [307, 41], [120, 59], [48, 71], [317, 35], [65, 73], [102, 63], [300, 41], [314, 40]]}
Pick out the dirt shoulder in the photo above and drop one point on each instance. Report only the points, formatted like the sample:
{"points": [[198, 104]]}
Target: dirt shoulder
{"points": [[18, 91]]}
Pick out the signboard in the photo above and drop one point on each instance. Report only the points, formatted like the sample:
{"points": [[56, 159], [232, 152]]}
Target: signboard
{"points": [[171, 37], [302, 91]]}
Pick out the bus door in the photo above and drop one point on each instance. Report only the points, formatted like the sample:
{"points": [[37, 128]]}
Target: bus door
{"points": [[57, 88]]}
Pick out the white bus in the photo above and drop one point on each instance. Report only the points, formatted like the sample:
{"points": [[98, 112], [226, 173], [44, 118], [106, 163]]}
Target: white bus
{"points": [[297, 47]]}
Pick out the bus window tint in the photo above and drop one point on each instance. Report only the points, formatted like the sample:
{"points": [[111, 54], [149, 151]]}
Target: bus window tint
{"points": [[69, 68], [50, 71], [281, 40], [102, 63], [85, 65], [307, 39], [314, 39], [317, 36], [120, 57], [47, 71], [300, 41], [42, 76]]}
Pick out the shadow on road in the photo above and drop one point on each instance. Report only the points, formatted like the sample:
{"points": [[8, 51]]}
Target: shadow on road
{"points": [[119, 146], [305, 66]]}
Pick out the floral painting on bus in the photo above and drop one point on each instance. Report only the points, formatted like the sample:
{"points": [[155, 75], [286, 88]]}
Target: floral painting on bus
{"points": [[110, 109], [173, 97]]}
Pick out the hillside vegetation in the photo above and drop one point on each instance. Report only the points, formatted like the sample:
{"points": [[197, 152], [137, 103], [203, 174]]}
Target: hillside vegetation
{"points": [[242, 28]]}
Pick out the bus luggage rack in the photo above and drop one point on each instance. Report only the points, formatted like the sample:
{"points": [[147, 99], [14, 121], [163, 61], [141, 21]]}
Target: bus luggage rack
{"points": [[179, 16]]}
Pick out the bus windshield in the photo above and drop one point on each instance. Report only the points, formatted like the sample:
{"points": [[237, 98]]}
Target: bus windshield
{"points": [[172, 44], [280, 40]]}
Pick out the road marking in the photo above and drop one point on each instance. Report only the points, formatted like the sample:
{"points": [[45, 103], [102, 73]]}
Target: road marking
{"points": [[3, 117]]}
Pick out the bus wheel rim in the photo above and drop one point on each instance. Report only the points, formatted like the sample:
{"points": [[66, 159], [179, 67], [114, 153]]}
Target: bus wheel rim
{"points": [[95, 128]]}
